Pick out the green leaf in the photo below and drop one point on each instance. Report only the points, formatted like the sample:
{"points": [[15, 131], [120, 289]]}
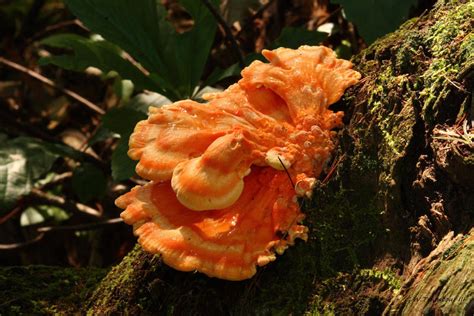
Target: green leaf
{"points": [[234, 70], [175, 61], [193, 47], [294, 37], [219, 74], [31, 216], [375, 18], [22, 161], [92, 53], [142, 101], [122, 166], [122, 120], [41, 213], [100, 135], [88, 182]]}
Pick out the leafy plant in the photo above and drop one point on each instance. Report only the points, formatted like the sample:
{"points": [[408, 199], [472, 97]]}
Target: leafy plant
{"points": [[173, 61], [294, 37], [22, 161], [95, 53], [88, 182], [122, 121]]}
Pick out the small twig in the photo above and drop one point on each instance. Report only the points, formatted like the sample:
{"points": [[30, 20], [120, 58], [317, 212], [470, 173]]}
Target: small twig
{"points": [[58, 178], [328, 17], [333, 168], [287, 173], [51, 84], [91, 226], [228, 32], [61, 202], [42, 231], [257, 14], [11, 214], [262, 9], [21, 244], [55, 27]]}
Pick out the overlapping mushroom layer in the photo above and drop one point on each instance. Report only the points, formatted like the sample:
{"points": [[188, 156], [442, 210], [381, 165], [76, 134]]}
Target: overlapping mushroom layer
{"points": [[220, 200]]}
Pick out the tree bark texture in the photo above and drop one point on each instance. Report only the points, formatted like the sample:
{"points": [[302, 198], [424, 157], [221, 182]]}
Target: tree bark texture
{"points": [[390, 226]]}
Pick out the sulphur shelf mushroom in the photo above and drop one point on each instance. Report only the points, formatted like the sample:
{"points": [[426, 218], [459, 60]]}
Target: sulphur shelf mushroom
{"points": [[220, 200]]}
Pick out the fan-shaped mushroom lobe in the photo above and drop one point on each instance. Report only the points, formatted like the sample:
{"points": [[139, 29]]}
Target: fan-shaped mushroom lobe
{"points": [[227, 243]]}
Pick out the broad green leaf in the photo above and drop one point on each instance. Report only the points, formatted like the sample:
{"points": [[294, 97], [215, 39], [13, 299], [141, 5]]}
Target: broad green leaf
{"points": [[31, 216], [88, 182], [294, 37], [375, 18], [193, 47], [142, 101], [122, 166], [175, 61], [234, 70], [42, 213], [122, 121], [219, 74], [95, 53], [100, 135], [22, 161]]}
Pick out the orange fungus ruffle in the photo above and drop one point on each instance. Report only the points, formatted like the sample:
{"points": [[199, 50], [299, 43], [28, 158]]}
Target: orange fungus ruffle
{"points": [[219, 199]]}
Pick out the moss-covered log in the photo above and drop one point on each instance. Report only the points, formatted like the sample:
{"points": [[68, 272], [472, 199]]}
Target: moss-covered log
{"points": [[377, 225], [441, 283], [39, 290], [390, 228]]}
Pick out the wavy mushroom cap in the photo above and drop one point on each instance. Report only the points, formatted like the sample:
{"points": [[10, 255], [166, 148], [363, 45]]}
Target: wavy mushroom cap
{"points": [[220, 195], [227, 243]]}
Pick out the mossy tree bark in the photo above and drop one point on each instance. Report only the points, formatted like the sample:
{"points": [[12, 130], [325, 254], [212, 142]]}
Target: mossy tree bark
{"points": [[391, 229]]}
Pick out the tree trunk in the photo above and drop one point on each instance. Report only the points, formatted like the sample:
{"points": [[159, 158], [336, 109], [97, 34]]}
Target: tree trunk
{"points": [[391, 228]]}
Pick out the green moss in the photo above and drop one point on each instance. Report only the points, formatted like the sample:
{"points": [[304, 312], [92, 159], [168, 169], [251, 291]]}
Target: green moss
{"points": [[353, 294], [451, 44], [45, 290], [389, 276], [345, 224]]}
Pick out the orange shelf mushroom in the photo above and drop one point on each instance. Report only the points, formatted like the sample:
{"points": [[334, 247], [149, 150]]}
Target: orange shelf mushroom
{"points": [[219, 199]]}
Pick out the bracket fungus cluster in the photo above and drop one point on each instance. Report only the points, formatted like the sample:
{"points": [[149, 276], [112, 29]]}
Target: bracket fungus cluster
{"points": [[219, 199]]}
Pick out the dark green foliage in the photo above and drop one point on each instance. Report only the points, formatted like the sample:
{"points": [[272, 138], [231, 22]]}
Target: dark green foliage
{"points": [[122, 166], [375, 18], [88, 182], [294, 37], [95, 53], [175, 61], [122, 121], [22, 161]]}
